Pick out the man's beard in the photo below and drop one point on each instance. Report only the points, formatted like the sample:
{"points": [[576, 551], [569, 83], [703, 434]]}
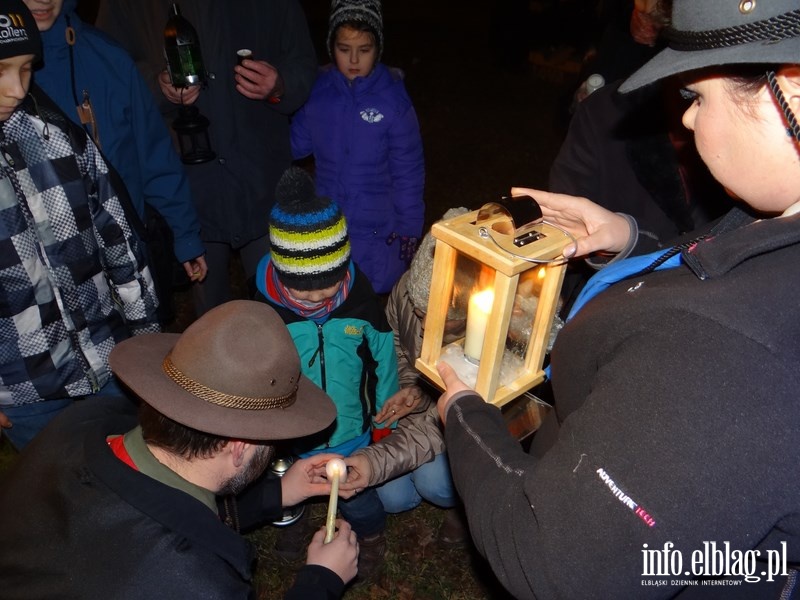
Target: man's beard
{"points": [[261, 458]]}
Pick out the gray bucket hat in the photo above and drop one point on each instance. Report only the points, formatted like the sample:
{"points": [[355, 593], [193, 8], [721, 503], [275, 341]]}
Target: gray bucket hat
{"points": [[708, 33]]}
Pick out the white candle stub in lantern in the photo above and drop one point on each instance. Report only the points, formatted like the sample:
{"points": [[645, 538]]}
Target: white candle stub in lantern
{"points": [[480, 307], [336, 471]]}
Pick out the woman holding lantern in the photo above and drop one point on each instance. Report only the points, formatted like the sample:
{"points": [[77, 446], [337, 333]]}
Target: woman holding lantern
{"points": [[675, 466]]}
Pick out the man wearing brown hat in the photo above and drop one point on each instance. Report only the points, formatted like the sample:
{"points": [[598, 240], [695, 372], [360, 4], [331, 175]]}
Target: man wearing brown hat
{"points": [[105, 505]]}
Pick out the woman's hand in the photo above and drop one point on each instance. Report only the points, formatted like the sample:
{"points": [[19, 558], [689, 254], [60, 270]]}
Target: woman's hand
{"points": [[453, 385], [595, 228], [359, 472], [402, 403]]}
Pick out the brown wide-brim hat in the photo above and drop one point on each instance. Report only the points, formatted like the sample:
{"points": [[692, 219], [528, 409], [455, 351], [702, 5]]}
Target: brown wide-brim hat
{"points": [[709, 33], [233, 373]]}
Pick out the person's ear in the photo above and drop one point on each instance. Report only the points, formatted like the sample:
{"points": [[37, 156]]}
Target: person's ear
{"points": [[789, 81], [237, 450]]}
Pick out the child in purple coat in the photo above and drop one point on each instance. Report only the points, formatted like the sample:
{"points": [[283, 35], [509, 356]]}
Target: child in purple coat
{"points": [[361, 128]]}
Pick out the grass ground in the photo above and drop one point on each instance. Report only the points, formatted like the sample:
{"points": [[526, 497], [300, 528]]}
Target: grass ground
{"points": [[416, 567]]}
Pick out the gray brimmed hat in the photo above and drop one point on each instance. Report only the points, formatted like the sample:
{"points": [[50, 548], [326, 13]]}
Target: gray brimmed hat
{"points": [[233, 373], [708, 33]]}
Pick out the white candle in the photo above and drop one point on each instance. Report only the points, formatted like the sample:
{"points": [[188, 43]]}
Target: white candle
{"points": [[335, 469], [480, 307]]}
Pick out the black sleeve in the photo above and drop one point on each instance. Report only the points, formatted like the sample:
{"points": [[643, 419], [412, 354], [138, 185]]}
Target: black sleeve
{"points": [[314, 582]]}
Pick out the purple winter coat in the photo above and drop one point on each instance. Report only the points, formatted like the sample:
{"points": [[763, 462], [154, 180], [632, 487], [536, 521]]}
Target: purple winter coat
{"points": [[367, 148]]}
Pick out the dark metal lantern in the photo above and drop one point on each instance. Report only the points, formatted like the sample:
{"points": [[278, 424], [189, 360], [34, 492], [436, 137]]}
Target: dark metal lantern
{"points": [[192, 130]]}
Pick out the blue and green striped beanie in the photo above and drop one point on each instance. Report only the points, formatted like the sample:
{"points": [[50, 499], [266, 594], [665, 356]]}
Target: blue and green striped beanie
{"points": [[308, 235]]}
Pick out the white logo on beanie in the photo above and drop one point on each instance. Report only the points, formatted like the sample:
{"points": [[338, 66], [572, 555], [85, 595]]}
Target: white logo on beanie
{"points": [[12, 28], [372, 115]]}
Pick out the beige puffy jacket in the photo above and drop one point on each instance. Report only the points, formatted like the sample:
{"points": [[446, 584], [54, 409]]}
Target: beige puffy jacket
{"points": [[418, 437]]}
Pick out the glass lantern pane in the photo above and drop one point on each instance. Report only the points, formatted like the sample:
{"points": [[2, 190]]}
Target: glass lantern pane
{"points": [[526, 302], [469, 278]]}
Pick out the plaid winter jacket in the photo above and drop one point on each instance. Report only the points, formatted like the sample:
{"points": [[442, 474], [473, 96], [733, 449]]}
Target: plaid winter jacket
{"points": [[73, 280]]}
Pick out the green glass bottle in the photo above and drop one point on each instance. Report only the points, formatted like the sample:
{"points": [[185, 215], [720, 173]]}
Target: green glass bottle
{"points": [[182, 51]]}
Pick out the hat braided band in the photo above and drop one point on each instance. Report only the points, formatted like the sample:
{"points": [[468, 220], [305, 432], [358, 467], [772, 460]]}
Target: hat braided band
{"points": [[774, 29], [221, 398]]}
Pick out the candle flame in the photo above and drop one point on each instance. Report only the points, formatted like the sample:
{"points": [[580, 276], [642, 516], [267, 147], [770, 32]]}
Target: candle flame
{"points": [[484, 300], [335, 468]]}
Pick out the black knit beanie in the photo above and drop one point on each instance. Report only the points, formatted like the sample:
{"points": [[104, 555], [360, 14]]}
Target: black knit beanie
{"points": [[19, 33]]}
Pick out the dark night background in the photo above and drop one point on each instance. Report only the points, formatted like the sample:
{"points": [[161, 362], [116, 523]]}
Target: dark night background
{"points": [[490, 118]]}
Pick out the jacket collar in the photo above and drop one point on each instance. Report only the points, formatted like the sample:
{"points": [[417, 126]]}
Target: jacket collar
{"points": [[55, 37], [738, 237], [361, 85]]}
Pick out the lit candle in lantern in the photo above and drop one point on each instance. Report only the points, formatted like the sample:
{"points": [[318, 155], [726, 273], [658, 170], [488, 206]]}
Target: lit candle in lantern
{"points": [[335, 469], [480, 307]]}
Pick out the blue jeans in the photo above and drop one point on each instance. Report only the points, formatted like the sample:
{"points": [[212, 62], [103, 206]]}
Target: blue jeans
{"points": [[431, 481], [29, 419], [364, 512]]}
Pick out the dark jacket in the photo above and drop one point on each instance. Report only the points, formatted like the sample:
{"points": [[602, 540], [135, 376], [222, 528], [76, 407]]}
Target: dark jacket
{"points": [[86, 525], [678, 391], [367, 149], [233, 193], [132, 134]]}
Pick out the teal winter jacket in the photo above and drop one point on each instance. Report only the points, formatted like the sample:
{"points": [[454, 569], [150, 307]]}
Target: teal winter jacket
{"points": [[351, 356]]}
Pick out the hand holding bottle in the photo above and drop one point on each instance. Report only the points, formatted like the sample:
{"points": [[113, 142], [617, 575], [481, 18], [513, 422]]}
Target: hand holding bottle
{"points": [[185, 73], [175, 95]]}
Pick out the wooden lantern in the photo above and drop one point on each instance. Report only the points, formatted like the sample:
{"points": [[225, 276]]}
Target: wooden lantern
{"points": [[506, 249]]}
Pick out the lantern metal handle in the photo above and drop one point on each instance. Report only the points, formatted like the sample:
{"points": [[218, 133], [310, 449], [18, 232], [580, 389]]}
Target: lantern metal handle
{"points": [[518, 218]]}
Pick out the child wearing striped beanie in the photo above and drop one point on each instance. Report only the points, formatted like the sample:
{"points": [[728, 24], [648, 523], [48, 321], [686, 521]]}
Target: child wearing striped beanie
{"points": [[338, 326], [308, 235]]}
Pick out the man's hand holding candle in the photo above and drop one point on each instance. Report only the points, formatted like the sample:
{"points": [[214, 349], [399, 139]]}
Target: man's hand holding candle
{"points": [[340, 555], [306, 478]]}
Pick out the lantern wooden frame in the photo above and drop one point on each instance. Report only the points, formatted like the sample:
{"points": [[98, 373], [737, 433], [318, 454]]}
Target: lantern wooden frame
{"points": [[462, 235]]}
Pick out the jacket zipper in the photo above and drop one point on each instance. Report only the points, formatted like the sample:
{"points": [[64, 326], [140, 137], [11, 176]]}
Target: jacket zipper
{"points": [[321, 352]]}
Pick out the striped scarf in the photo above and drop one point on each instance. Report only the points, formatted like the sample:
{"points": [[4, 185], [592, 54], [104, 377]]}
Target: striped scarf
{"points": [[319, 312]]}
